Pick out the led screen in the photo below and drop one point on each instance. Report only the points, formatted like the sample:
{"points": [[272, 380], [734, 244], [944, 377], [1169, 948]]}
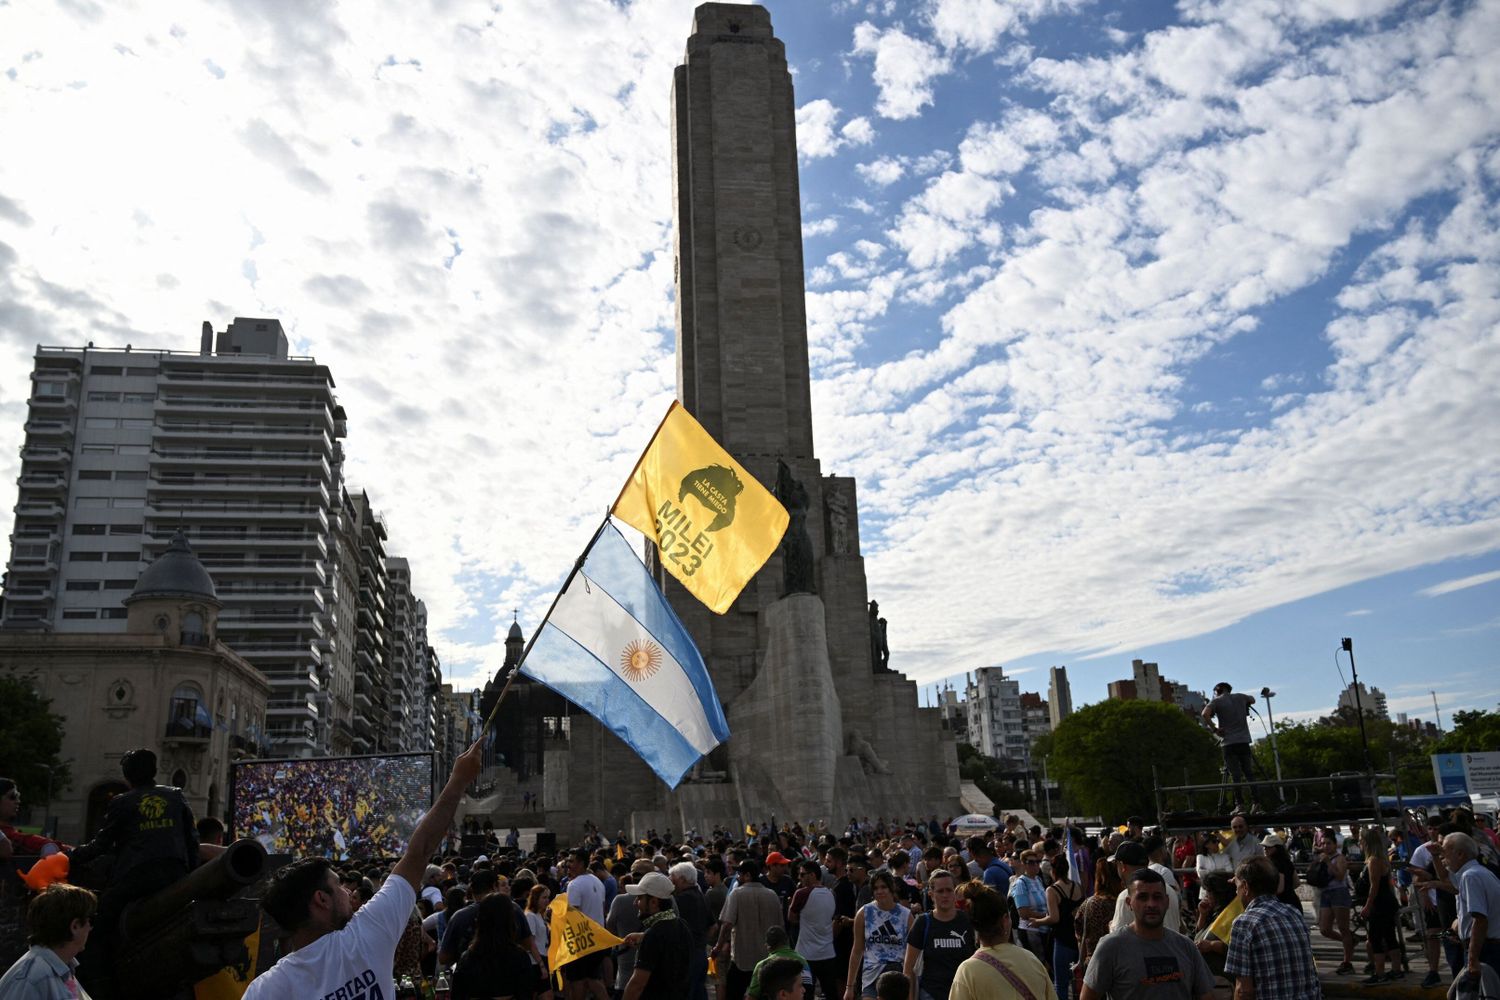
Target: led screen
{"points": [[332, 807]]}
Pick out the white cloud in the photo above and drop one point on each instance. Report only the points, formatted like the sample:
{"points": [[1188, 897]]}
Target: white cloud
{"points": [[882, 172], [904, 68], [821, 227], [1463, 583], [816, 137], [1025, 481]]}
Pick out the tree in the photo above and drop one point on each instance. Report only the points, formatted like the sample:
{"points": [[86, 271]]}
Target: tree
{"points": [[1104, 755], [1472, 732], [1332, 744], [30, 738]]}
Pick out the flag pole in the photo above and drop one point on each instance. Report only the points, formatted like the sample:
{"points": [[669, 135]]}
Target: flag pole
{"points": [[577, 565], [644, 452]]}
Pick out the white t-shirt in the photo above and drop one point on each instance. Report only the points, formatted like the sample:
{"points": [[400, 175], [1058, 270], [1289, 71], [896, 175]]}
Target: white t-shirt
{"points": [[1422, 858], [815, 925], [1167, 875], [586, 893], [433, 895], [357, 960]]}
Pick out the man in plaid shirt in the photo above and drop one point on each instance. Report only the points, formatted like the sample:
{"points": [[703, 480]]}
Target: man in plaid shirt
{"points": [[1270, 953]]}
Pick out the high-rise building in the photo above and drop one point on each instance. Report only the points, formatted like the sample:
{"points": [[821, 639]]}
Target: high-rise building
{"points": [[1371, 700], [1036, 716], [997, 723], [411, 721], [237, 446], [1059, 696]]}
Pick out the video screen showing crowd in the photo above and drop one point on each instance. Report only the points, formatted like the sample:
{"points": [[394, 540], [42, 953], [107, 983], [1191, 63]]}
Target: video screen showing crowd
{"points": [[345, 808]]}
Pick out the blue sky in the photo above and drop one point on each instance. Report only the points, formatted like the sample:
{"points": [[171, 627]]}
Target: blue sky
{"points": [[1149, 330]]}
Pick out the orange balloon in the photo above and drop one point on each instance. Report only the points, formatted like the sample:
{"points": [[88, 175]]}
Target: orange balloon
{"points": [[53, 868]]}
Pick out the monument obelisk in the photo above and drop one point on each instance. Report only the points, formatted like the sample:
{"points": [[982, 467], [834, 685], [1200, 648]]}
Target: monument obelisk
{"points": [[820, 730]]}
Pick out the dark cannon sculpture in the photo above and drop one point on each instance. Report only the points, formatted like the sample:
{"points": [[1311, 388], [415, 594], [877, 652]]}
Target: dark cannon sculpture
{"points": [[192, 928]]}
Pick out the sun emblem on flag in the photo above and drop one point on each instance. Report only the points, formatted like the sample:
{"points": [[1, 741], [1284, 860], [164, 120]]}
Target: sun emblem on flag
{"points": [[640, 660]]}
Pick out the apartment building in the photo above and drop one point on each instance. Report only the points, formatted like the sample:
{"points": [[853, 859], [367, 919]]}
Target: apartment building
{"points": [[237, 445], [996, 720]]}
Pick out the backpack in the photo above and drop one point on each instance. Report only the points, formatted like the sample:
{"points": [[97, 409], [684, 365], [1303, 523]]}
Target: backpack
{"points": [[1318, 875]]}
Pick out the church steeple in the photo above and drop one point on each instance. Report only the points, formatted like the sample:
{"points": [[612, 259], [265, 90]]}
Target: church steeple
{"points": [[515, 642]]}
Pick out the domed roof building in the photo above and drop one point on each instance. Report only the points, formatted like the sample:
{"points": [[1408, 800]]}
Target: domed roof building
{"points": [[176, 573], [166, 683]]}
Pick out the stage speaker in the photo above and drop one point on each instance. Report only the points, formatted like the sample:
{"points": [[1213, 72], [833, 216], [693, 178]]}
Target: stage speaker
{"points": [[546, 843]]}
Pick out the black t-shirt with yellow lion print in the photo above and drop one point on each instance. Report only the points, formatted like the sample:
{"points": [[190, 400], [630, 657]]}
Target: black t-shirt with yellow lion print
{"points": [[152, 823]]}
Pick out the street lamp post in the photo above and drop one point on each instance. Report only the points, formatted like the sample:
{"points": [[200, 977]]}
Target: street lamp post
{"points": [[1046, 789]]}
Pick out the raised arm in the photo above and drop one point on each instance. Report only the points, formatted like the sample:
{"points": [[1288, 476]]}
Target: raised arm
{"points": [[429, 832]]}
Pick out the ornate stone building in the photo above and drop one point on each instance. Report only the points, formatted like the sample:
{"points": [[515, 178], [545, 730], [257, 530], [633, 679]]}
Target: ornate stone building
{"points": [[167, 682]]}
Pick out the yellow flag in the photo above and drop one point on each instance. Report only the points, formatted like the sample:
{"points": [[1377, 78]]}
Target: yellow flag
{"points": [[226, 984], [574, 935], [713, 523], [1220, 927]]}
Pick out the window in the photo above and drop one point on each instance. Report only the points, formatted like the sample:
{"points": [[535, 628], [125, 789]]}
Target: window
{"points": [[88, 529], [80, 613], [98, 449], [128, 502], [51, 388], [119, 584], [93, 473], [136, 423], [90, 502], [83, 584], [186, 712], [193, 633], [113, 613], [85, 557], [99, 423], [130, 477], [106, 370], [122, 557], [124, 529], [141, 371], [104, 397], [140, 397]]}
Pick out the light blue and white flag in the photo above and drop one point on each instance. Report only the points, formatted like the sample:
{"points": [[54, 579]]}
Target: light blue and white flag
{"points": [[614, 647]]}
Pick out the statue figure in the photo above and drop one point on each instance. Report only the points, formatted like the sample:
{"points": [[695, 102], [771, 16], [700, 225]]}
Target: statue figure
{"points": [[837, 505], [869, 760], [882, 647], [796, 546], [875, 637]]}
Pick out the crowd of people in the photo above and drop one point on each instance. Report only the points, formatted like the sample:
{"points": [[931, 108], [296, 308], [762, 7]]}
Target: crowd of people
{"points": [[877, 910], [356, 807]]}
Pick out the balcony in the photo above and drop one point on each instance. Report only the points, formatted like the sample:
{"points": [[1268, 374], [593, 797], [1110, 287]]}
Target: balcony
{"points": [[184, 731], [43, 456], [40, 508], [49, 431], [27, 595], [43, 482], [65, 404], [176, 432]]}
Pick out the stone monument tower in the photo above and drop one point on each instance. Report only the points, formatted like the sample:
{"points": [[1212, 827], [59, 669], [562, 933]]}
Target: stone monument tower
{"points": [[820, 728]]}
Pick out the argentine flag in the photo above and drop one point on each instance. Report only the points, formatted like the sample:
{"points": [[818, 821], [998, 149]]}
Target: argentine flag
{"points": [[614, 647]]}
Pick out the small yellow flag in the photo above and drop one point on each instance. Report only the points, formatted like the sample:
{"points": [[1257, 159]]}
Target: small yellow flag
{"points": [[574, 935], [226, 984], [1220, 927], [713, 523]]}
